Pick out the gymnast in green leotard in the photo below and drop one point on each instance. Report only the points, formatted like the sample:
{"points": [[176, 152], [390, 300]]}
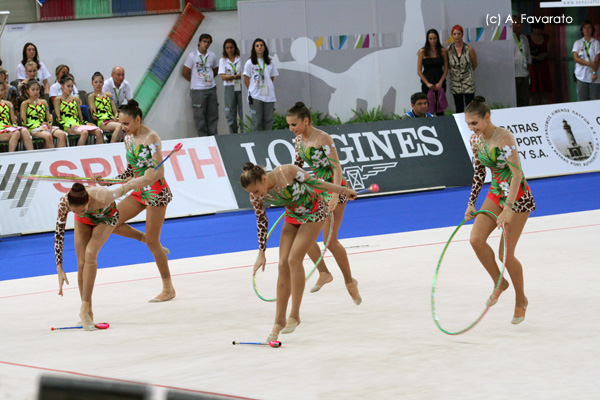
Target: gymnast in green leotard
{"points": [[68, 114], [103, 109]]}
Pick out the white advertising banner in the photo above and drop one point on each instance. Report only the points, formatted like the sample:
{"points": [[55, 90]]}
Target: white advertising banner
{"points": [[196, 175], [557, 139]]}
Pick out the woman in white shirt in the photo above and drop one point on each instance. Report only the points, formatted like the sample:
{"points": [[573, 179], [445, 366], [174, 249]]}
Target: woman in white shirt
{"points": [[259, 74], [30, 53], [586, 53], [230, 71]]}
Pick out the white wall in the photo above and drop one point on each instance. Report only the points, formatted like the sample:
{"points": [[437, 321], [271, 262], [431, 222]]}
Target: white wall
{"points": [[88, 46]]}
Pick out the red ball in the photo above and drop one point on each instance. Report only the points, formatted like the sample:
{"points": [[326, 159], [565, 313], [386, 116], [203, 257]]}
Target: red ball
{"points": [[374, 188]]}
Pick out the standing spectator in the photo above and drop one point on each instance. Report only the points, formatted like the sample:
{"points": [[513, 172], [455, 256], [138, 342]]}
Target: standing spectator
{"points": [[200, 69], [30, 53], [259, 75], [586, 52], [463, 61], [522, 57], [432, 68], [10, 92], [55, 89], [541, 81], [230, 71], [419, 104], [118, 86]]}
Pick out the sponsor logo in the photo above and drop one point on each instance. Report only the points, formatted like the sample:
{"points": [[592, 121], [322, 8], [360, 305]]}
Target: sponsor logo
{"points": [[17, 191], [572, 137]]}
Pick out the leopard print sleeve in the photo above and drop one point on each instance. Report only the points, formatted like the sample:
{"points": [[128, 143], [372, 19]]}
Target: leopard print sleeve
{"points": [[59, 233], [262, 223], [128, 173], [298, 161], [479, 175]]}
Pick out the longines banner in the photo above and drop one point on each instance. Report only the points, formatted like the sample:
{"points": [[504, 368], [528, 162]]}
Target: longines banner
{"points": [[397, 155], [196, 175], [555, 139]]}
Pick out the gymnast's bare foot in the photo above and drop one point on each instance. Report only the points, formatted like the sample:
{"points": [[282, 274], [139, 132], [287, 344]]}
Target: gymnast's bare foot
{"points": [[86, 319], [324, 278]]}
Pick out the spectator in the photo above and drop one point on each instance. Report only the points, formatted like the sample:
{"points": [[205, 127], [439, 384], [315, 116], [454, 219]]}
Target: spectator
{"points": [[522, 57], [118, 86], [31, 69], [30, 53], [55, 89], [259, 75], [68, 114], [9, 131], [432, 68], [200, 69], [586, 52], [36, 117], [10, 92], [419, 104], [463, 61], [541, 80], [230, 71], [103, 109]]}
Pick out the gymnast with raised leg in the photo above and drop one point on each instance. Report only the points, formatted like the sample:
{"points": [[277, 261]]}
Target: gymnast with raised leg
{"points": [[96, 216], [143, 151], [509, 197], [317, 149], [305, 212]]}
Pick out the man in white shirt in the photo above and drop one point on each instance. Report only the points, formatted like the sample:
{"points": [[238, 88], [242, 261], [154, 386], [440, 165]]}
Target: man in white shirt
{"points": [[200, 68], [522, 56], [118, 87], [586, 53]]}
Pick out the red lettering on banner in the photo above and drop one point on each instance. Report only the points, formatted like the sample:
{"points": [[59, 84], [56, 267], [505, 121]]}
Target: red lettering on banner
{"points": [[213, 160], [119, 164], [55, 172], [175, 163], [86, 163]]}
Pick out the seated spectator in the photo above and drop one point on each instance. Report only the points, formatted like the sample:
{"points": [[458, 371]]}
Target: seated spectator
{"points": [[419, 104], [9, 131], [35, 115], [10, 92], [30, 53], [55, 89], [68, 114], [118, 86], [103, 109], [31, 71]]}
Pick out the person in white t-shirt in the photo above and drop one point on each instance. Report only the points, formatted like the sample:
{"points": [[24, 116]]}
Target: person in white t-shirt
{"points": [[586, 53], [30, 53], [231, 73], [200, 69], [118, 87], [55, 88], [259, 75]]}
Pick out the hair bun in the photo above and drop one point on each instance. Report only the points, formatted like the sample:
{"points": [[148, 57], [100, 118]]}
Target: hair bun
{"points": [[479, 99], [248, 166], [77, 187], [299, 104], [132, 103]]}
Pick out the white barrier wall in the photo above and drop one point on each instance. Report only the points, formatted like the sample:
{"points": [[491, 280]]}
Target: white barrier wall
{"points": [[555, 139], [196, 175]]}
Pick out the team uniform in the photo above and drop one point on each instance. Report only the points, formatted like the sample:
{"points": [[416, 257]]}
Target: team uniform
{"points": [[499, 159], [104, 110], [139, 159], [316, 155], [35, 117], [295, 189]]}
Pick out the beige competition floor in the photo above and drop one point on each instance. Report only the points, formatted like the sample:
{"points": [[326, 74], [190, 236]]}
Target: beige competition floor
{"points": [[386, 348]]}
